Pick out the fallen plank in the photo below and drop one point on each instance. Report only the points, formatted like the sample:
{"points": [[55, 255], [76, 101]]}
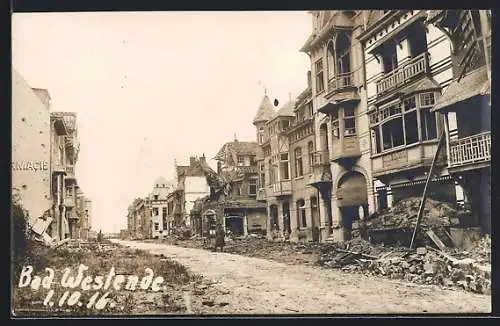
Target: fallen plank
{"points": [[357, 253], [436, 239]]}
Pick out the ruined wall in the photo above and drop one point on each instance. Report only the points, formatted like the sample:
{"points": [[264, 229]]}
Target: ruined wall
{"points": [[30, 147], [257, 220]]}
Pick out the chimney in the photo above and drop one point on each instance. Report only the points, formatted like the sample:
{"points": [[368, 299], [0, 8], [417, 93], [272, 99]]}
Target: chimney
{"points": [[192, 160], [309, 80]]}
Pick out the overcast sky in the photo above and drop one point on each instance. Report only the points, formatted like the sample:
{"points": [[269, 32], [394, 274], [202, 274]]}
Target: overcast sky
{"points": [[152, 87]]}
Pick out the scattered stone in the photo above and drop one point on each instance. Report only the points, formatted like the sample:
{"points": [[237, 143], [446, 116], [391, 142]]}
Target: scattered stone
{"points": [[421, 250]]}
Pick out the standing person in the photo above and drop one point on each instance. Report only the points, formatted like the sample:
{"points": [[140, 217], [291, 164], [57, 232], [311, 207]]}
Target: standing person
{"points": [[219, 237]]}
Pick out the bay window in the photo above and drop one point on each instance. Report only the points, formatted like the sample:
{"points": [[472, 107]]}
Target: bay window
{"points": [[320, 83], [335, 124], [349, 122], [392, 133]]}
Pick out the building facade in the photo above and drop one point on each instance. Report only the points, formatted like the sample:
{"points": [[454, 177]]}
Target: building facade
{"points": [[466, 105], [384, 88], [159, 207]]}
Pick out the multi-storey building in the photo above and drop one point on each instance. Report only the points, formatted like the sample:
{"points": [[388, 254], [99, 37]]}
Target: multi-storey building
{"points": [[157, 203], [84, 211], [237, 168], [466, 105], [31, 144], [368, 127]]}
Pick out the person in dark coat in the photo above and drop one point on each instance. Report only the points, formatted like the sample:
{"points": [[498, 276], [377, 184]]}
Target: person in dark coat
{"points": [[219, 238]]}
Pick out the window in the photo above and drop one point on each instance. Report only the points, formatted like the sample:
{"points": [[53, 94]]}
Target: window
{"points": [[427, 100], [252, 160], [252, 187], [301, 214], [285, 124], [389, 57], [261, 135], [310, 152], [299, 171], [284, 167], [335, 124], [410, 120], [155, 211], [349, 122], [156, 197], [164, 212], [320, 83], [157, 226], [428, 125], [343, 47], [392, 133], [241, 160], [310, 109], [417, 40], [330, 60]]}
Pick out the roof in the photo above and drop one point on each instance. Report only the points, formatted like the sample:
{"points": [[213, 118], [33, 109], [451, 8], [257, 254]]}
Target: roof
{"points": [[265, 111], [238, 148], [286, 110], [473, 84]]}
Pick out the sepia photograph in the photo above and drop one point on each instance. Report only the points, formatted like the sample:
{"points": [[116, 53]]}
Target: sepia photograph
{"points": [[228, 163]]}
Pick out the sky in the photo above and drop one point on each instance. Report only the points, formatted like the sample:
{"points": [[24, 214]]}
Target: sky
{"points": [[150, 88]]}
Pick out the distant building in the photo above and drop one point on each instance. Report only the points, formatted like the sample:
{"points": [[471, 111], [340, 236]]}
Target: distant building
{"points": [[157, 203]]}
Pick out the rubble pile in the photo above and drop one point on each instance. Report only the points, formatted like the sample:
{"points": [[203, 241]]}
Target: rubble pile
{"points": [[404, 213], [426, 265]]}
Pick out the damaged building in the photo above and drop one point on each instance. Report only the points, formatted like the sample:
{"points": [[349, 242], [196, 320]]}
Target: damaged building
{"points": [[45, 152], [385, 87], [232, 200]]}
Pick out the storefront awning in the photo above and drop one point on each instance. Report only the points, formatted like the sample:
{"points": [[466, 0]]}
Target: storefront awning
{"points": [[473, 84]]}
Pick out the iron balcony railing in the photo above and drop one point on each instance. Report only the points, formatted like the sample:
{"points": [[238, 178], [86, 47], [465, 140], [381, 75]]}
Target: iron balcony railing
{"points": [[472, 149], [340, 81], [403, 74]]}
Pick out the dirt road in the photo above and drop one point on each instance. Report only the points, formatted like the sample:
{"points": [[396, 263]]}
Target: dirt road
{"points": [[248, 285]]}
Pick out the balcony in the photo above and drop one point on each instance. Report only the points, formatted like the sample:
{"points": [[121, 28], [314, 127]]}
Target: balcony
{"points": [[321, 172], [280, 188], [346, 149], [342, 87], [403, 75], [402, 159], [470, 150]]}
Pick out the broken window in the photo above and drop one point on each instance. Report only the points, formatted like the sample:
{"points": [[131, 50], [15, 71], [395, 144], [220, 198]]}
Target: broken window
{"points": [[349, 122], [411, 127], [155, 197], [155, 211], [284, 167], [389, 56], [343, 52], [241, 159], [310, 153], [252, 187], [164, 212], [392, 133], [417, 39], [157, 226], [320, 83], [252, 160], [335, 124], [428, 124], [298, 163]]}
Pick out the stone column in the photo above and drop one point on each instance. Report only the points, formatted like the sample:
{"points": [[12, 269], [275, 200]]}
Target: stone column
{"points": [[337, 228], [268, 223], [309, 219], [294, 237], [280, 220], [245, 225], [323, 219], [389, 197]]}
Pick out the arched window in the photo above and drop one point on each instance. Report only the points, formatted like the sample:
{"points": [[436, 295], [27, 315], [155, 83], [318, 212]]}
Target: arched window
{"points": [[330, 60], [342, 51]]}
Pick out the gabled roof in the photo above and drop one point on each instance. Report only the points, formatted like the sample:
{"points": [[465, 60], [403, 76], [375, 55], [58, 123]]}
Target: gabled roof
{"points": [[265, 111], [237, 148]]}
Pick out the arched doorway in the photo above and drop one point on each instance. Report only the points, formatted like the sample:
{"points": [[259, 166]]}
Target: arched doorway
{"points": [[352, 199]]}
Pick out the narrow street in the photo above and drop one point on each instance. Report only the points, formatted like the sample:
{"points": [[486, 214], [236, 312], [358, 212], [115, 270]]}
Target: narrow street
{"points": [[258, 286]]}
